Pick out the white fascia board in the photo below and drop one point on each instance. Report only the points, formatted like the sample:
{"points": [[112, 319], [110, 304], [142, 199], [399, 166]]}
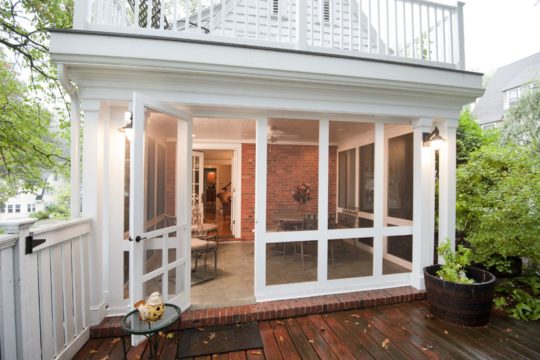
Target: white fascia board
{"points": [[105, 50]]}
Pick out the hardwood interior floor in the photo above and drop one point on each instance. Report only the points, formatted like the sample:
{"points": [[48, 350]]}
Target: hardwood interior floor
{"points": [[211, 215]]}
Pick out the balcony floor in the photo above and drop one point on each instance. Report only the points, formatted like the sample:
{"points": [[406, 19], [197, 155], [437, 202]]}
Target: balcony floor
{"points": [[393, 331]]}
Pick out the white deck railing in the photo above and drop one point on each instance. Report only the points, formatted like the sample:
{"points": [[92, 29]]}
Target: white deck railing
{"points": [[403, 30], [44, 299]]}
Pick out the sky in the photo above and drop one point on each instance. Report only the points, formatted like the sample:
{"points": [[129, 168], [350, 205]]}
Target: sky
{"points": [[499, 32]]}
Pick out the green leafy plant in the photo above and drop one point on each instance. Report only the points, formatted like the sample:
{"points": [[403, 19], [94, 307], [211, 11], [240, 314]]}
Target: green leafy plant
{"points": [[520, 297], [498, 204], [453, 269]]}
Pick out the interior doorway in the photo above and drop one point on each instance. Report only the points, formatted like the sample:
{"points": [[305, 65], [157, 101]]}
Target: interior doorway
{"points": [[217, 190]]}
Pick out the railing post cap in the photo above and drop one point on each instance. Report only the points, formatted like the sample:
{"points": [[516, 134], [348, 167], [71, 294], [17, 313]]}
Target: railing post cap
{"points": [[13, 226]]}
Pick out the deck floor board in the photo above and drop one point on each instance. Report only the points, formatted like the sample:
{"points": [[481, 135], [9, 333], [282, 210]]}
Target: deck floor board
{"points": [[402, 331]]}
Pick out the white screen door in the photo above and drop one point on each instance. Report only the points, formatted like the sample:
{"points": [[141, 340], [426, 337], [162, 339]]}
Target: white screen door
{"points": [[197, 179], [160, 203]]}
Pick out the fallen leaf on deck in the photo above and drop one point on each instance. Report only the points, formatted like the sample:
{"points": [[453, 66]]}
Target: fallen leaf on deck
{"points": [[385, 343], [281, 338], [256, 352], [311, 341], [429, 316], [279, 322], [357, 323], [105, 358], [346, 321], [322, 329], [365, 331], [93, 351], [368, 325], [508, 330], [355, 315], [206, 342], [446, 332], [214, 356], [212, 335], [115, 341], [170, 335], [200, 329], [161, 333], [428, 347]]}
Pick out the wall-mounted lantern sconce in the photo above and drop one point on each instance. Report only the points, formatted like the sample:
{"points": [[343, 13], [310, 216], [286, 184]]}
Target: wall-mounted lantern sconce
{"points": [[433, 139], [127, 129]]}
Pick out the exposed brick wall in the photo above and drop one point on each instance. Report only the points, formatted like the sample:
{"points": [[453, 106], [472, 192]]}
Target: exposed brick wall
{"points": [[288, 165], [248, 191]]}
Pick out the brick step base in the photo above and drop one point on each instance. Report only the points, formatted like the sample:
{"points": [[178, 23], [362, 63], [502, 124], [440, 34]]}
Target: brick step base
{"points": [[280, 309]]}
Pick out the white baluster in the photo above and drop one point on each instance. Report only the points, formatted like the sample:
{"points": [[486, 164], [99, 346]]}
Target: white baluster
{"points": [[379, 36], [396, 26], [444, 34], [429, 32], [451, 20], [404, 31], [387, 29], [436, 35], [360, 31], [341, 24], [350, 25], [199, 16], [269, 9], [186, 15], [421, 32], [223, 4], [162, 15], [413, 44], [461, 38], [369, 24], [149, 14]]}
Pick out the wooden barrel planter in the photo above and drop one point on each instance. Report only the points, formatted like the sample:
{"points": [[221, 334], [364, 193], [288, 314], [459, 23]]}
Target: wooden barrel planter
{"points": [[461, 304]]}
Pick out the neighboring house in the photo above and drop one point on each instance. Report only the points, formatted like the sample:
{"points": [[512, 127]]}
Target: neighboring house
{"points": [[24, 203], [336, 95], [504, 89]]}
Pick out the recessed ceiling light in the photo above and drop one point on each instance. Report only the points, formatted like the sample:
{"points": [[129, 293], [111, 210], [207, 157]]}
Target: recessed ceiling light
{"points": [[192, 135]]}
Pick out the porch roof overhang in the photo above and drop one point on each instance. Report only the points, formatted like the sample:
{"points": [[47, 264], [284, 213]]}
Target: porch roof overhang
{"points": [[255, 76]]}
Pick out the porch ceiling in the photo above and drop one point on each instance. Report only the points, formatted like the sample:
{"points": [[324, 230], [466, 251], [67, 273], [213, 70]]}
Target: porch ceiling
{"points": [[280, 130]]}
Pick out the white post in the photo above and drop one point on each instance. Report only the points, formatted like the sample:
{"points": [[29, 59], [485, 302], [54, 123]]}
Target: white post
{"points": [[447, 182], [80, 14], [260, 205], [324, 145], [92, 182], [301, 24], [423, 202], [461, 36], [8, 338], [75, 201], [26, 326], [378, 200]]}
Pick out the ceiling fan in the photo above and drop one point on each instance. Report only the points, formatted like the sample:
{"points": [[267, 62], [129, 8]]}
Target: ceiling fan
{"points": [[275, 135]]}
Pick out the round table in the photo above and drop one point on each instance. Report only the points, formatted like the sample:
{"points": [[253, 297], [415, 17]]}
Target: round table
{"points": [[133, 325]]}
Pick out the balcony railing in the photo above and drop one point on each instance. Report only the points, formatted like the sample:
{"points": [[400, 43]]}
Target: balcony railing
{"points": [[403, 30]]}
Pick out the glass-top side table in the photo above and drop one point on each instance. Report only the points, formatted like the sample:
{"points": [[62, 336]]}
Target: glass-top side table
{"points": [[133, 325]]}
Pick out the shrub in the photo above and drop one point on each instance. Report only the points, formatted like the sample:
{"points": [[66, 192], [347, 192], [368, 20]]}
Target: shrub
{"points": [[498, 204]]}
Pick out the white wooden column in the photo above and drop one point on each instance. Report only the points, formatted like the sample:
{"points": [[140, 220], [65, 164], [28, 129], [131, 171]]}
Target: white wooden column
{"points": [[447, 182], [115, 203], [322, 252], [378, 200], [423, 202], [75, 201], [260, 205], [92, 182]]}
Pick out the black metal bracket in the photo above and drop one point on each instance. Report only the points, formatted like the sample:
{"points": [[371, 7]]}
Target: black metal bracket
{"points": [[31, 243], [137, 238]]}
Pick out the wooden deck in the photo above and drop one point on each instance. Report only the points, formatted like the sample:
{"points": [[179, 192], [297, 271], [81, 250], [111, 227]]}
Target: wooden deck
{"points": [[403, 331]]}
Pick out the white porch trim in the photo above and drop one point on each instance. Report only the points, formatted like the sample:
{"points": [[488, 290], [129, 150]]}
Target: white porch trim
{"points": [[423, 202]]}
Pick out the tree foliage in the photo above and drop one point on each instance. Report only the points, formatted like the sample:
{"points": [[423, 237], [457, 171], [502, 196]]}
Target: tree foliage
{"points": [[23, 30], [498, 203], [27, 148], [522, 123], [469, 136], [27, 145]]}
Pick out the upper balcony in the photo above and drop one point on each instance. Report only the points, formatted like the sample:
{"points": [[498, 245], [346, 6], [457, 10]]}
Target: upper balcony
{"points": [[411, 31]]}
